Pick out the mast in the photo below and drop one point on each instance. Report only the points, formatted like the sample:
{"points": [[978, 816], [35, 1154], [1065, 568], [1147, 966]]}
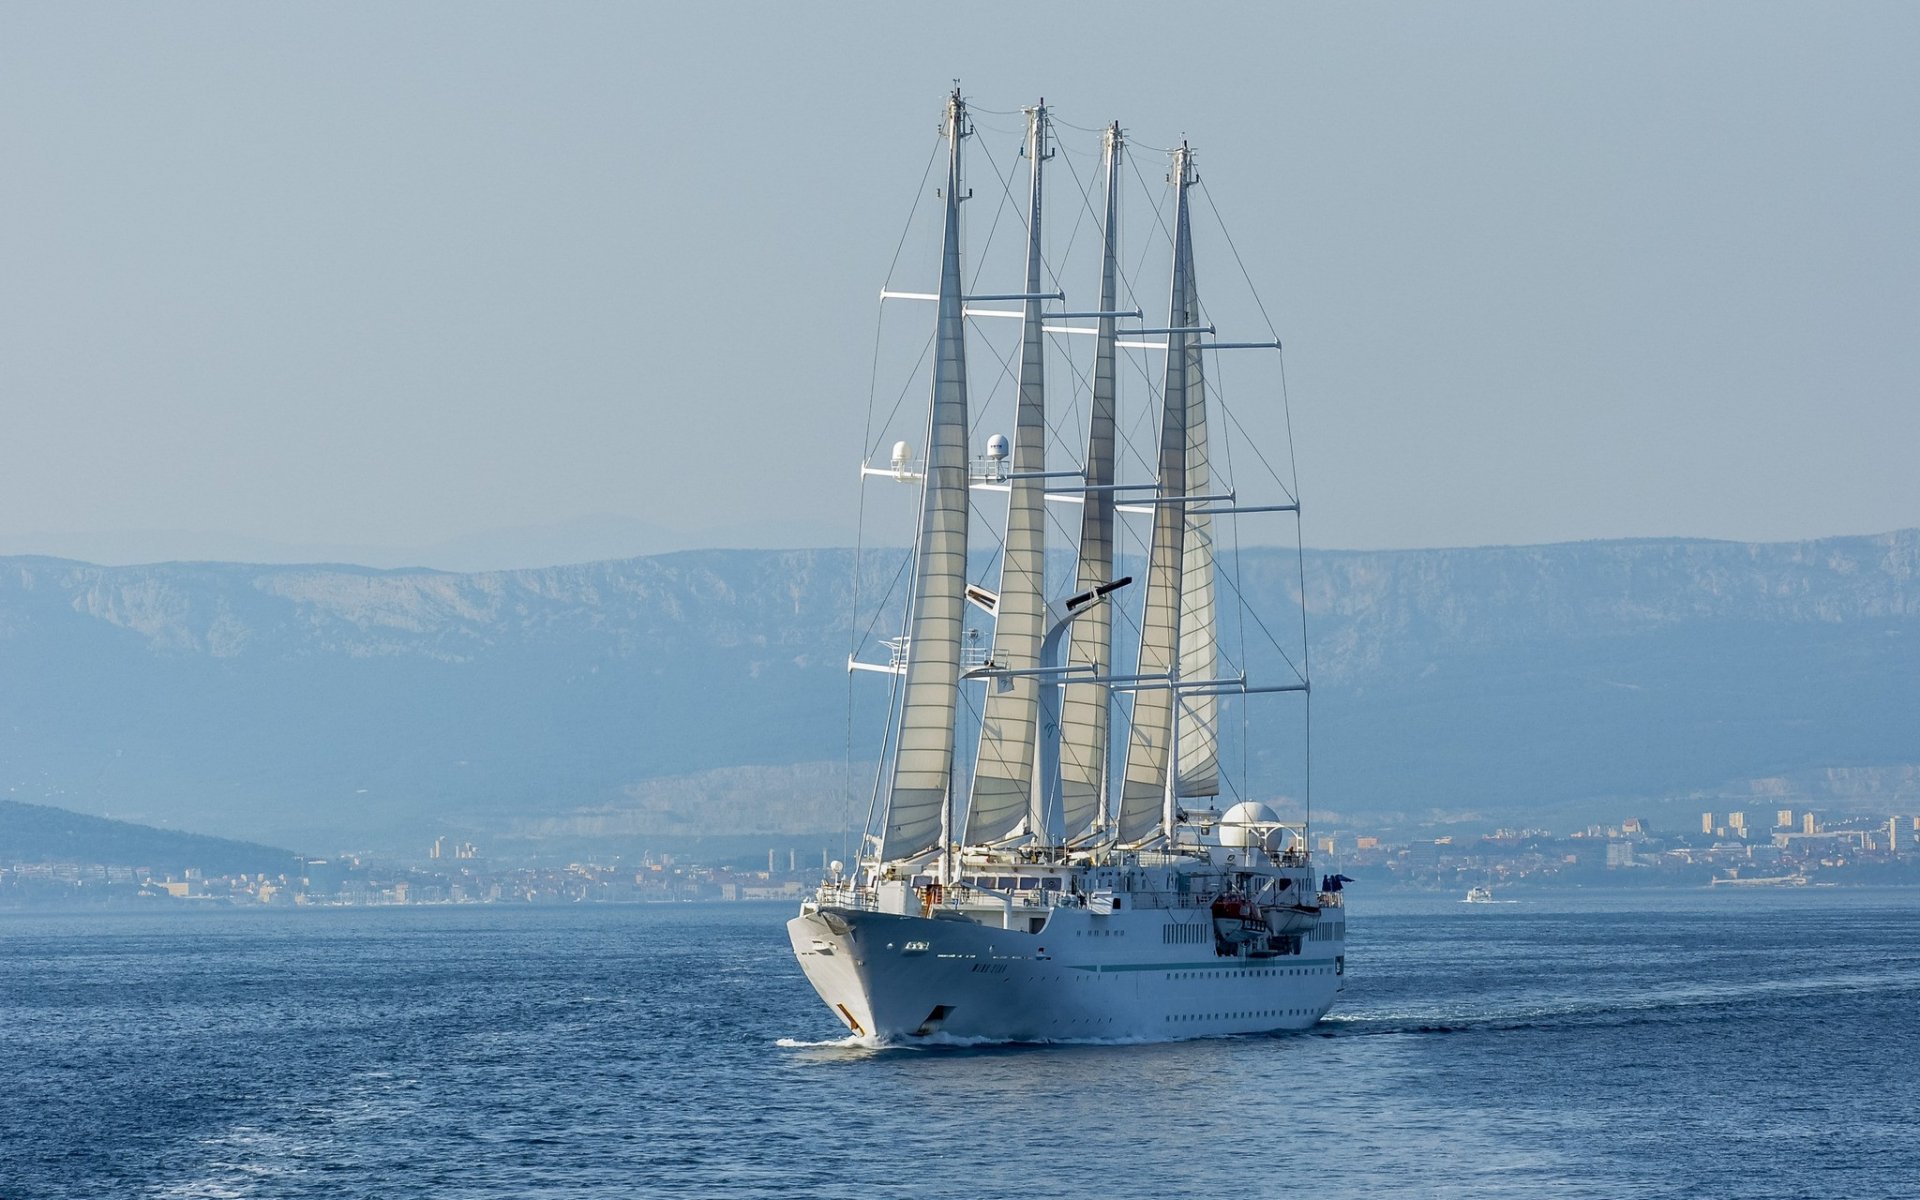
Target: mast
{"points": [[1197, 713], [1147, 789], [1087, 711], [1004, 793], [918, 813]]}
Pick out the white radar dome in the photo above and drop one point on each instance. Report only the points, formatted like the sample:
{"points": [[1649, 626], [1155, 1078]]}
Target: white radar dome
{"points": [[1236, 824], [998, 447], [902, 453]]}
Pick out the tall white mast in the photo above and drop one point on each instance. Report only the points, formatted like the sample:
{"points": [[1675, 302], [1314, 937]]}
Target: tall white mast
{"points": [[1086, 715], [919, 802], [1197, 713], [1147, 790], [1004, 791]]}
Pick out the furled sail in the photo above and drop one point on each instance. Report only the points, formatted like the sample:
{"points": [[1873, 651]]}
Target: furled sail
{"points": [[1003, 792], [1143, 791], [923, 761], [1197, 756], [1085, 713]]}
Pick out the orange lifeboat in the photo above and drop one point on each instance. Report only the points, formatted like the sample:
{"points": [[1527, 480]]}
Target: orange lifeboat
{"points": [[1236, 920], [1233, 908]]}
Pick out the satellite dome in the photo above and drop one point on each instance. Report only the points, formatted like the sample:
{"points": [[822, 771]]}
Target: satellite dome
{"points": [[901, 453], [998, 447], [1236, 824]]}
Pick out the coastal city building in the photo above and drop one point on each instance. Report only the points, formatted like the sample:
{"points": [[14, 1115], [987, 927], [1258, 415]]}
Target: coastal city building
{"points": [[1870, 848]]}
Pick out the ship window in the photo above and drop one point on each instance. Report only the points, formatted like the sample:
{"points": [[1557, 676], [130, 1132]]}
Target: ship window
{"points": [[1009, 883], [921, 881], [1051, 883]]}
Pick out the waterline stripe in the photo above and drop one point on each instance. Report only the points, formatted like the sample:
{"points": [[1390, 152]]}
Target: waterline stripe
{"points": [[1193, 966]]}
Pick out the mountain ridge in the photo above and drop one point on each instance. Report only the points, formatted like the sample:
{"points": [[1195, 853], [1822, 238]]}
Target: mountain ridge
{"points": [[328, 705]]}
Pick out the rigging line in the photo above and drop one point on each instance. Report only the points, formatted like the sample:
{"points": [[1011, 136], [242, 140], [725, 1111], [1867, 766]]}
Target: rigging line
{"points": [[1219, 394], [1254, 445], [1146, 414], [854, 638], [913, 377], [880, 768], [1057, 420], [1065, 255], [1159, 219], [1006, 198], [1244, 274], [1027, 577], [1086, 198], [1232, 790], [1300, 559], [919, 192], [993, 127], [1067, 538], [1072, 148], [880, 611], [1240, 595], [1306, 751], [1132, 436], [880, 317], [965, 775], [1293, 463], [979, 411], [999, 542], [1072, 126], [1215, 382], [873, 373], [1081, 214], [1159, 210], [1292, 496], [846, 776]]}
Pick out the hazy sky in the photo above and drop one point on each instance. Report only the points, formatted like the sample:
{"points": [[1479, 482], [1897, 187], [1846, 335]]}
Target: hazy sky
{"points": [[352, 276]]}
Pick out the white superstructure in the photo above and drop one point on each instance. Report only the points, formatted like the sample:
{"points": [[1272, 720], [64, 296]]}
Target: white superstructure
{"points": [[1082, 880]]}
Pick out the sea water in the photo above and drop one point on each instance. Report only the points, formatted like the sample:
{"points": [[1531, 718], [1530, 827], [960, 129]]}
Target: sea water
{"points": [[1621, 1044]]}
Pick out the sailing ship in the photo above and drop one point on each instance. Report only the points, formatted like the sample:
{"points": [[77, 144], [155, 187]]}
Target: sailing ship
{"points": [[1082, 880]]}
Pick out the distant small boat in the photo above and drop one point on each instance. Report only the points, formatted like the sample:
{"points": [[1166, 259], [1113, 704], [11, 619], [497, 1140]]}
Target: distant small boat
{"points": [[1479, 895]]}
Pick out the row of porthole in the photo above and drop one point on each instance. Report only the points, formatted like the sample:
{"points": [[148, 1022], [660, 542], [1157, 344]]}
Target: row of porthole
{"points": [[1270, 1012], [1254, 971]]}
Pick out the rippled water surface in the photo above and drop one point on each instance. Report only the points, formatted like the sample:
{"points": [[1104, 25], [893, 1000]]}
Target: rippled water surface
{"points": [[1592, 1045]]}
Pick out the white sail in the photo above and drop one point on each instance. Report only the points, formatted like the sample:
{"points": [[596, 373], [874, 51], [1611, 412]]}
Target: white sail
{"points": [[1197, 754], [1143, 790], [1086, 712], [916, 808], [1003, 791]]}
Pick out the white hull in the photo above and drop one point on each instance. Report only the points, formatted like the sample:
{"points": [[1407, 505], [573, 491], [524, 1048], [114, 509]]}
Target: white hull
{"points": [[1083, 975]]}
